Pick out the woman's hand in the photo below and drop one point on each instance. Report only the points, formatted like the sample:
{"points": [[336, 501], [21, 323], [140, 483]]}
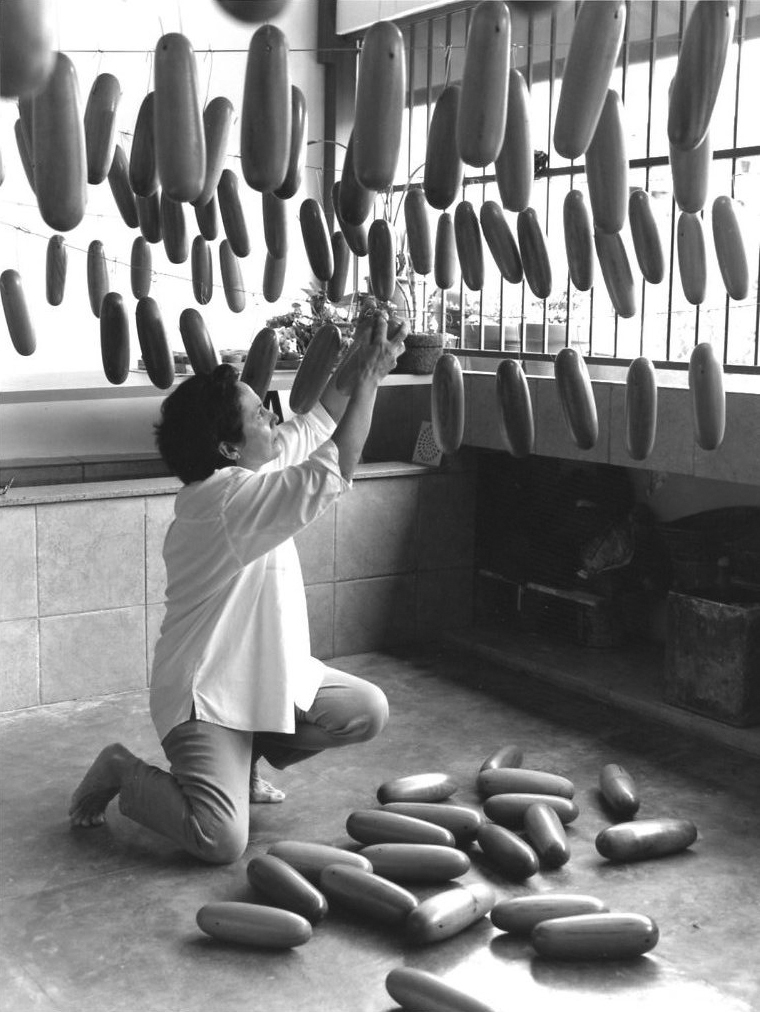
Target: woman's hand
{"points": [[381, 346]]}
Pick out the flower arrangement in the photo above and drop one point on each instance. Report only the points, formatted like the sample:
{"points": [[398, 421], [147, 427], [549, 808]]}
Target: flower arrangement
{"points": [[296, 328]]}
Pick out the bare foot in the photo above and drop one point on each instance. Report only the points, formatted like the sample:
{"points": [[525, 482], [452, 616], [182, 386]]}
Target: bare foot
{"points": [[101, 783], [261, 792]]}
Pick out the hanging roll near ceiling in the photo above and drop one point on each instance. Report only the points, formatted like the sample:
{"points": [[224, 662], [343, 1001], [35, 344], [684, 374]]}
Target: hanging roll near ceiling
{"points": [[56, 262], [217, 123], [97, 275], [118, 180], [419, 240], [274, 217], [482, 114], [380, 95], [143, 171], [202, 270], [231, 210], [298, 141], [444, 168], [100, 126], [607, 168], [27, 46], [141, 267], [355, 200], [195, 337], [514, 164], [316, 239], [207, 218], [149, 216], [174, 229], [267, 114], [356, 235], [232, 278], [336, 286]]}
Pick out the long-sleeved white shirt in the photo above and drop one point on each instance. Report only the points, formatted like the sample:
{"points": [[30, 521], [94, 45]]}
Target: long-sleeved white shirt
{"points": [[235, 638]]}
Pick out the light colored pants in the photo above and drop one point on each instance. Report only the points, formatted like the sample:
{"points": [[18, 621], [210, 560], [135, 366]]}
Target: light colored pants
{"points": [[202, 803]]}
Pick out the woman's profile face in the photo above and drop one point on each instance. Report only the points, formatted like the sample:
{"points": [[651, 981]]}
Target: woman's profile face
{"points": [[261, 442]]}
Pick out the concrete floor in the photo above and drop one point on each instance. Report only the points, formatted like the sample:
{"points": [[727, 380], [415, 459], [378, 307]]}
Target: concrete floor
{"points": [[106, 918]]}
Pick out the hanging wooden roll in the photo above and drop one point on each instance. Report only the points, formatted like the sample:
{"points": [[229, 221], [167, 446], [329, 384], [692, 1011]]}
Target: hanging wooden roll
{"points": [[202, 271], [231, 210], [692, 257], [514, 408], [382, 259], [447, 403], [607, 168], [534, 253], [336, 286], [143, 170], [55, 269], [514, 165], [100, 126], [708, 396], [616, 271], [319, 360], [445, 258], [16, 312], [174, 229], [274, 216], [207, 218], [699, 71], [180, 137], [118, 180], [354, 199], [267, 114], [690, 172], [197, 342], [646, 237], [482, 115], [469, 244], [444, 168], [356, 235], [594, 48], [729, 248], [380, 97], [149, 216], [24, 151], [501, 242], [418, 238], [156, 353], [217, 123], [274, 277], [261, 361], [97, 275], [58, 149], [232, 278], [27, 46], [114, 338], [576, 397], [297, 157], [141, 268], [640, 408], [579, 240], [316, 239]]}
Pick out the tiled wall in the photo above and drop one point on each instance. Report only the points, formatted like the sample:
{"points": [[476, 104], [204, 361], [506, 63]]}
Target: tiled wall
{"points": [[82, 581]]}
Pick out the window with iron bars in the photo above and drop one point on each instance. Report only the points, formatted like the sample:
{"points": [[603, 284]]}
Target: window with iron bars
{"points": [[506, 319]]}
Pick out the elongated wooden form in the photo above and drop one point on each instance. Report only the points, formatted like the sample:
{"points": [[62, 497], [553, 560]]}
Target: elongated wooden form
{"points": [[506, 755], [594, 48], [546, 834], [520, 914], [607, 167], [640, 408], [16, 312], [280, 885], [534, 253], [118, 180], [156, 353], [297, 156], [517, 780], [217, 123], [231, 210], [699, 71], [579, 240], [469, 243], [273, 280], [58, 147], [417, 787], [319, 360], [149, 216], [692, 257], [447, 403], [253, 924], [595, 936], [197, 342], [376, 825], [427, 992], [267, 114], [356, 235], [336, 286], [509, 809], [100, 126], [645, 838], [143, 168], [449, 912], [174, 229], [619, 790], [114, 338], [380, 96], [141, 267], [232, 278], [576, 397], [27, 41], [261, 361], [501, 242], [202, 270], [367, 893], [274, 217], [355, 201], [418, 235], [708, 397], [514, 164], [381, 257], [461, 820], [444, 168], [514, 408], [646, 237], [616, 271], [310, 858], [207, 218], [445, 256], [729, 248], [97, 275], [482, 115], [509, 852], [416, 862], [56, 262], [316, 239], [690, 172]]}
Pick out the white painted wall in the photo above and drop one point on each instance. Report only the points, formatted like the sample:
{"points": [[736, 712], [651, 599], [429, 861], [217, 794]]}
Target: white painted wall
{"points": [[353, 15]]}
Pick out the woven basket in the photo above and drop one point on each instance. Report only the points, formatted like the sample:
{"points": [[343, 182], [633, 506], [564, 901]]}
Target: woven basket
{"points": [[421, 353]]}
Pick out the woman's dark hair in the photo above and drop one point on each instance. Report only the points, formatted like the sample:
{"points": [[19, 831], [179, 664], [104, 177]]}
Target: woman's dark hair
{"points": [[201, 413]]}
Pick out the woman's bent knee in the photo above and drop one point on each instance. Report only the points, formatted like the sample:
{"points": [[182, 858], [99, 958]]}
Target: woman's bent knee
{"points": [[374, 715], [224, 843]]}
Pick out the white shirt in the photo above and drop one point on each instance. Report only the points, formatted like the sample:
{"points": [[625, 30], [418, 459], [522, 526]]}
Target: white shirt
{"points": [[235, 638]]}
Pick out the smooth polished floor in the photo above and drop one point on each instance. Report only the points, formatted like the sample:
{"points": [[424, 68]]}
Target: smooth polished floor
{"points": [[105, 918]]}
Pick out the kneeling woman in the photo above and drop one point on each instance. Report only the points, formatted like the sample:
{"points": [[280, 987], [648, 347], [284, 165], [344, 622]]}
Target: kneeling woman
{"points": [[233, 678]]}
